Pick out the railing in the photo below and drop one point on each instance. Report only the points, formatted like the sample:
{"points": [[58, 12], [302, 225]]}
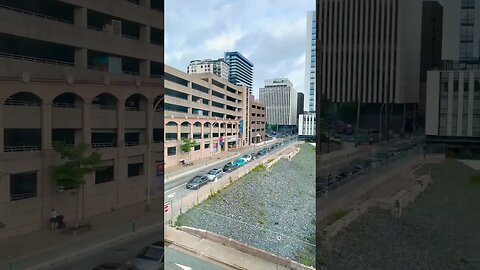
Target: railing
{"points": [[135, 109], [17, 197], [133, 73], [381, 165], [102, 145], [134, 1], [36, 14], [132, 143], [21, 148], [64, 105], [130, 37], [104, 107], [35, 59], [156, 43], [96, 28], [12, 102]]}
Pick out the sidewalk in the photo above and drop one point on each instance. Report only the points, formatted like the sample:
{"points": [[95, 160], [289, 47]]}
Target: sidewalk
{"points": [[217, 252], [39, 250], [178, 171]]}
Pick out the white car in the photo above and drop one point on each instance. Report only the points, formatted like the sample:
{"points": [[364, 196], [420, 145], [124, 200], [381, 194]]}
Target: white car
{"points": [[150, 258], [246, 158], [214, 174]]}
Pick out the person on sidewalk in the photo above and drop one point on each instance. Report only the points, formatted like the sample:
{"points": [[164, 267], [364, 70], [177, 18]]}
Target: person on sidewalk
{"points": [[53, 219]]}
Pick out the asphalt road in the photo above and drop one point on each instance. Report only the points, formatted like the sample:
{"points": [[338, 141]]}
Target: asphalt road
{"points": [[127, 249], [177, 187]]}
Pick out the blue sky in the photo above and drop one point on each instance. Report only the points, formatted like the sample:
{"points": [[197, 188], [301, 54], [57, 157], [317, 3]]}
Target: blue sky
{"points": [[270, 33]]}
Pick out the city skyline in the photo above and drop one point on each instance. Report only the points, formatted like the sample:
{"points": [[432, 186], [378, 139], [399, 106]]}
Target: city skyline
{"points": [[274, 42]]}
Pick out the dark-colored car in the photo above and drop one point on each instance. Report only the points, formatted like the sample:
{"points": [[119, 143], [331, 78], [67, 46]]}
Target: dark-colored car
{"points": [[262, 153], [347, 172], [197, 182], [115, 266], [229, 167]]}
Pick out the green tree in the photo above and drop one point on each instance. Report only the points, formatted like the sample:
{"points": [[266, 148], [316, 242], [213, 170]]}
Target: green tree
{"points": [[78, 164], [187, 145]]}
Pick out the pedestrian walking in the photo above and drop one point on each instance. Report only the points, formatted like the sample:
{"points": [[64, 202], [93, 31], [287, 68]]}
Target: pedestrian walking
{"points": [[53, 219]]}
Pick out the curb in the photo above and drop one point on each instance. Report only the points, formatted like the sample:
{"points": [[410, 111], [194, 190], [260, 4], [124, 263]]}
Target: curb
{"points": [[202, 255], [66, 257]]}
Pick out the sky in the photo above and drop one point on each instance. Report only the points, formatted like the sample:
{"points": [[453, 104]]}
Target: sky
{"points": [[270, 33]]}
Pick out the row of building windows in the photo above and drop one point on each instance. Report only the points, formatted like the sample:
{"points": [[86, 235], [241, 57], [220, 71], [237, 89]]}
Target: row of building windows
{"points": [[24, 185]]}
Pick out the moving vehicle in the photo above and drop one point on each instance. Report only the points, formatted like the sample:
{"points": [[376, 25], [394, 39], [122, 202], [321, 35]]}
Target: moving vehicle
{"points": [[229, 167], [247, 158], [150, 258], [197, 182], [214, 174], [115, 266], [239, 162]]}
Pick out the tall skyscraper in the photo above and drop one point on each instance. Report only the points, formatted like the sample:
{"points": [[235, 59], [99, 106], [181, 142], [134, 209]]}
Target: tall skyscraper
{"points": [[370, 50], [218, 67], [241, 69], [300, 103], [310, 61], [280, 99]]}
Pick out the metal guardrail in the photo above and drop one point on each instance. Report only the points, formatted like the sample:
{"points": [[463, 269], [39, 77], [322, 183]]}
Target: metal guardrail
{"points": [[36, 14], [21, 148], [17, 197], [35, 59]]}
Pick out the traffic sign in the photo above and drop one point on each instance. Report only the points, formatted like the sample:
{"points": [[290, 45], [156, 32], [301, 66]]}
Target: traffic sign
{"points": [[166, 207]]}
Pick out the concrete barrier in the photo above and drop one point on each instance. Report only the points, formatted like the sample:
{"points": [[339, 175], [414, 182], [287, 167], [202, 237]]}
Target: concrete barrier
{"points": [[228, 242], [404, 197]]}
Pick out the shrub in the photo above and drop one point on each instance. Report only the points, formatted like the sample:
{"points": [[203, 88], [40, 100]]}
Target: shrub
{"points": [[337, 215]]}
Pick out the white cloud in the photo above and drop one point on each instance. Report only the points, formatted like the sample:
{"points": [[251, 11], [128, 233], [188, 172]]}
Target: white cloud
{"points": [[223, 42]]}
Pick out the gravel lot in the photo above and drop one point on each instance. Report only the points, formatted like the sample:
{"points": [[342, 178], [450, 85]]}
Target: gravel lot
{"points": [[273, 210], [440, 230]]}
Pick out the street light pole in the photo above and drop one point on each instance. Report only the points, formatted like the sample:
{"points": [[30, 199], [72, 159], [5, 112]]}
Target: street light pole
{"points": [[380, 128], [149, 154]]}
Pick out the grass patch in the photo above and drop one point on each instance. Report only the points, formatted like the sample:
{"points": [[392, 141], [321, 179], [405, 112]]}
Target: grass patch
{"points": [[180, 220], [214, 194], [259, 168], [336, 216], [475, 180]]}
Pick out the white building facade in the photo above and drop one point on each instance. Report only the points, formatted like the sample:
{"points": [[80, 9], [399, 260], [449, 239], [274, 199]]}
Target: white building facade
{"points": [[280, 99], [453, 104], [307, 124], [218, 67], [310, 62]]}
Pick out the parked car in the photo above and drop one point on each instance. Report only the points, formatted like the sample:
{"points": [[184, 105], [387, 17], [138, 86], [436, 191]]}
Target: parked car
{"points": [[262, 153], [246, 158], [347, 172], [254, 156], [229, 167], [197, 182], [239, 162], [359, 163], [214, 174], [115, 266], [150, 258]]}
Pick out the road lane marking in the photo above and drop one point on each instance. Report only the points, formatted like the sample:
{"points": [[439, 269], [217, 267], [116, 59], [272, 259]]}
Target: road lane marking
{"points": [[184, 267]]}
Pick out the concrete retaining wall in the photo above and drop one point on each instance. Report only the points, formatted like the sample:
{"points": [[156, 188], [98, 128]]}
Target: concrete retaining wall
{"points": [[228, 242], [403, 196]]}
